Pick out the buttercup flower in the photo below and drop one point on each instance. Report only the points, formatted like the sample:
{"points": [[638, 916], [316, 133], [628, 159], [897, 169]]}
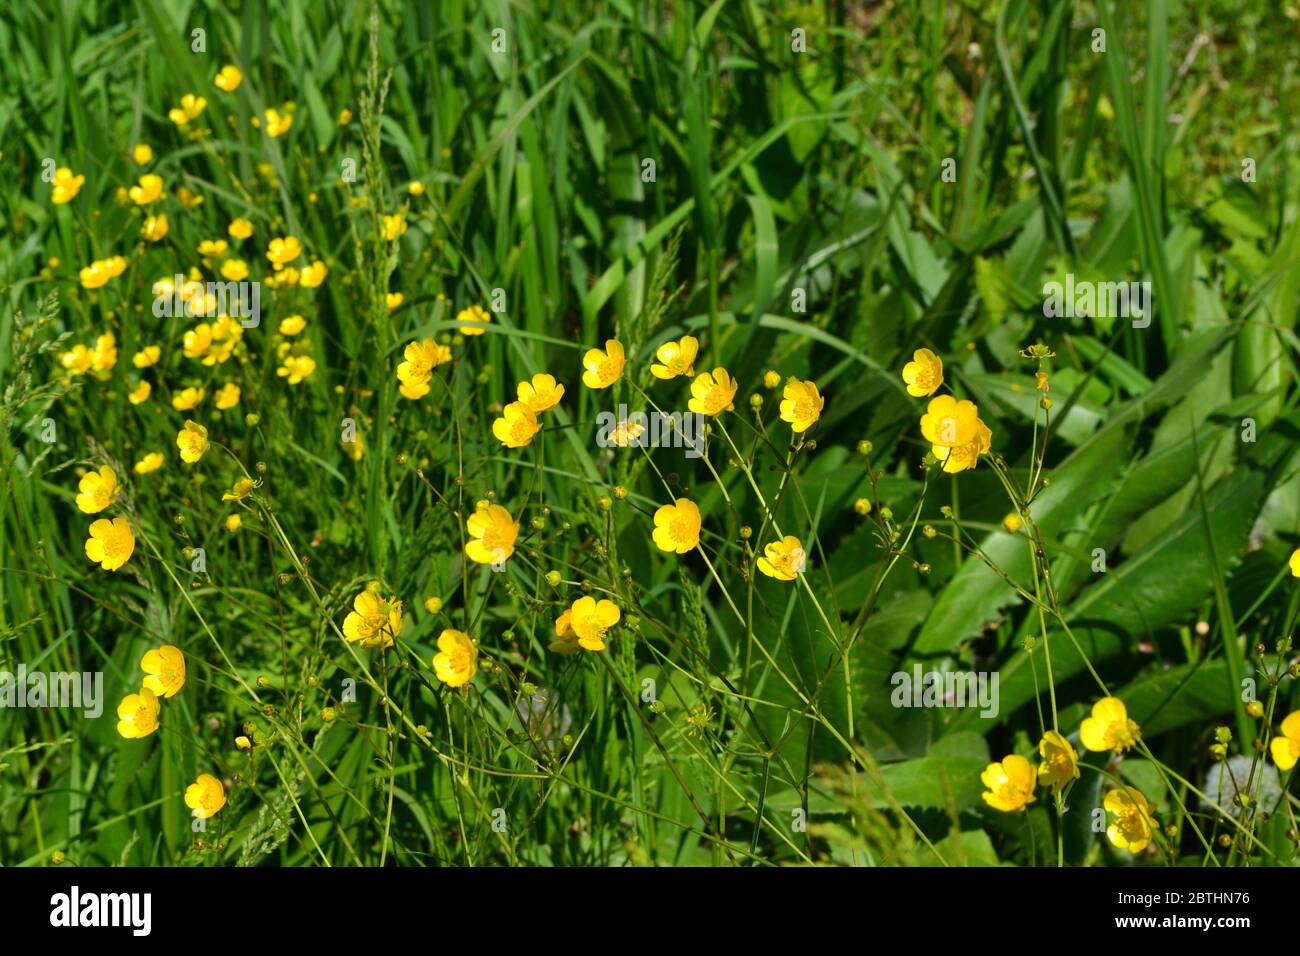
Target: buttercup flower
{"points": [[1295, 563], [394, 299], [227, 396], [784, 559], [111, 543], [590, 619], [1286, 746], [296, 368], [566, 640], [924, 374], [473, 319], [494, 533], [241, 490], [677, 526], [165, 670], [801, 405], [78, 360], [603, 368], [105, 354], [228, 79], [212, 248], [234, 270], [137, 714], [149, 189], [190, 200], [187, 398], [541, 393], [394, 226], [1109, 727], [712, 393], [516, 426], [676, 358], [240, 229], [233, 523], [100, 271], [1010, 784], [957, 436], [313, 275], [150, 462], [456, 662], [283, 251], [147, 356], [142, 153], [292, 325], [1060, 762], [277, 123], [66, 186], [1133, 824], [205, 796], [192, 440], [191, 106], [373, 621], [154, 228], [97, 490]]}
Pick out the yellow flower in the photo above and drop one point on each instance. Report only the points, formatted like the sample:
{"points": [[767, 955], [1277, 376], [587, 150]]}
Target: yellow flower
{"points": [[1109, 727], [783, 559], [1295, 563], [240, 229], [150, 462], [234, 523], [277, 123], [494, 533], [712, 392], [394, 226], [111, 543], [313, 275], [187, 398], [1012, 523], [235, 270], [603, 368], [243, 743], [149, 189], [541, 393], [228, 79], [296, 368], [165, 667], [100, 271], [415, 187], [77, 360], [373, 621], [1060, 762], [188, 199], [1133, 822], [154, 228], [1010, 784], [142, 153], [354, 449], [197, 341], [1286, 746], [292, 324], [472, 320], [590, 619], [191, 106], [241, 490], [212, 248], [421, 358], [140, 393], [677, 526], [227, 396], [283, 251], [924, 374], [98, 489], [345, 116], [205, 796], [676, 358], [66, 186], [801, 405], [147, 356], [192, 441], [457, 659], [516, 426], [105, 354], [771, 378], [956, 435], [393, 300], [137, 714]]}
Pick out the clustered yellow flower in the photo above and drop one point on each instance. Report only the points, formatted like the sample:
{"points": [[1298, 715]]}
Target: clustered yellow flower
{"points": [[111, 542], [518, 422], [956, 434], [137, 714], [416, 370]]}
